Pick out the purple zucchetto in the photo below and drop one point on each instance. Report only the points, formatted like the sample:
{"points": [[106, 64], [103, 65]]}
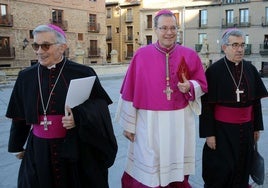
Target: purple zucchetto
{"points": [[57, 29], [163, 11]]}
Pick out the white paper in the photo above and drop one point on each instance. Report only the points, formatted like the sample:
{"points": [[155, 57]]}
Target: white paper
{"points": [[79, 91]]}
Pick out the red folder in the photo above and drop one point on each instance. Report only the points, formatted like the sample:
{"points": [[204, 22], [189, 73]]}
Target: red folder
{"points": [[183, 69]]}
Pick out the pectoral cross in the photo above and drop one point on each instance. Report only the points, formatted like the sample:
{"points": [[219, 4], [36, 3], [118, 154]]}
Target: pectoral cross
{"points": [[45, 122], [168, 92], [238, 92]]}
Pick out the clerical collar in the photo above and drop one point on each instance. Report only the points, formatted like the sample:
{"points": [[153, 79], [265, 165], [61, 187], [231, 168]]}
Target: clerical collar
{"points": [[232, 63], [55, 65], [165, 50]]}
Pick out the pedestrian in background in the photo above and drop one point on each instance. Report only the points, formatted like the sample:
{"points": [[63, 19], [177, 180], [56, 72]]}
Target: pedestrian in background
{"points": [[231, 115], [160, 97], [72, 150]]}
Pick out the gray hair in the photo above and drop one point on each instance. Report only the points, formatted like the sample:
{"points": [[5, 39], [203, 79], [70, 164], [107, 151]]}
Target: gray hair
{"points": [[164, 14], [231, 32], [60, 38]]}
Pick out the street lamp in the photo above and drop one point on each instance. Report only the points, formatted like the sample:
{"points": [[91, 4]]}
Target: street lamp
{"points": [[25, 43]]}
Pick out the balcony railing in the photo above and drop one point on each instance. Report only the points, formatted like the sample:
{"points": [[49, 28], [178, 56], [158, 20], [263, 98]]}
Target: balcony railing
{"points": [[7, 53], [94, 52], [128, 38], [228, 24], [109, 37], [263, 49], [62, 24], [93, 27], [6, 20], [244, 23]]}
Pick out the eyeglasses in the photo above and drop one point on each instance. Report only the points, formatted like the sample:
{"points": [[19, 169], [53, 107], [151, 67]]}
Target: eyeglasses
{"points": [[44, 46], [236, 45], [165, 29]]}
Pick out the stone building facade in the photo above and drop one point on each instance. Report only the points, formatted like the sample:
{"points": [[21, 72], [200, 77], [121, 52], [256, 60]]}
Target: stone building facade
{"points": [[123, 28], [198, 21], [84, 22]]}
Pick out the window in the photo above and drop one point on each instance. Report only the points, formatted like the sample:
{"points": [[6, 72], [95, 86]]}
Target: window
{"points": [[3, 10], [129, 51], [31, 34], [179, 37], [109, 46], [177, 15], [108, 13], [201, 37], [129, 14], [4, 18], [265, 18], [109, 33], [80, 36], [203, 18], [230, 1], [244, 15], [149, 39], [247, 46], [149, 22], [93, 44], [93, 50], [229, 17], [129, 33], [246, 39], [93, 22], [57, 16], [4, 42]]}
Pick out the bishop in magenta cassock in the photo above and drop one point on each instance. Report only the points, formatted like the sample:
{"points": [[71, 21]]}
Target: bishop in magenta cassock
{"points": [[161, 117]]}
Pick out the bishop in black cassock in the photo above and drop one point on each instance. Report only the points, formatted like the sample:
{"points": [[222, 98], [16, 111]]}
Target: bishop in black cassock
{"points": [[80, 159], [222, 111]]}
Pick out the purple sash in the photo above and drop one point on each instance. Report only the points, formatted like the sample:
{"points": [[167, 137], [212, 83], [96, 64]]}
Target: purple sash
{"points": [[233, 115], [55, 127]]}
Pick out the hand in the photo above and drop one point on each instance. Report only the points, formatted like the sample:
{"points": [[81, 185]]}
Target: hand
{"points": [[184, 86], [211, 142], [129, 135], [68, 119], [256, 136], [20, 155]]}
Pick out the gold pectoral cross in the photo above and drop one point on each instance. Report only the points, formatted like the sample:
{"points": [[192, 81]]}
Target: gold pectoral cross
{"points": [[238, 92], [45, 122], [168, 92]]}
